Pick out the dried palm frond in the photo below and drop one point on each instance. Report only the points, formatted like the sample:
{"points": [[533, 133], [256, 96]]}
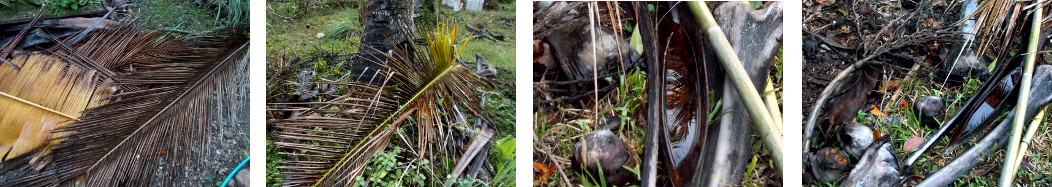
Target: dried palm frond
{"points": [[45, 94], [992, 21], [332, 146], [160, 113]]}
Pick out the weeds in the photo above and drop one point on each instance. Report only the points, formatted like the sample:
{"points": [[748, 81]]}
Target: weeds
{"points": [[714, 109], [589, 180], [324, 69], [502, 157], [64, 4], [272, 168], [343, 30], [386, 170]]}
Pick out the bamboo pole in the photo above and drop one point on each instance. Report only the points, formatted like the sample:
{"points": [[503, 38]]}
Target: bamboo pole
{"points": [[1030, 131], [771, 100], [761, 118], [1009, 169]]}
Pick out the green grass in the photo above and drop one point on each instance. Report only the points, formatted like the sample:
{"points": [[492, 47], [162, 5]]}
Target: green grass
{"points": [[273, 179], [181, 17], [289, 35], [184, 17], [18, 11], [299, 35]]}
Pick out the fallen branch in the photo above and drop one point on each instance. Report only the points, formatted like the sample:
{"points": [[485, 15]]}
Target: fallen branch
{"points": [[909, 77]]}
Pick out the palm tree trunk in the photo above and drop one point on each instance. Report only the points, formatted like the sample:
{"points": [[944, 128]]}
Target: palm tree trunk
{"points": [[385, 26]]}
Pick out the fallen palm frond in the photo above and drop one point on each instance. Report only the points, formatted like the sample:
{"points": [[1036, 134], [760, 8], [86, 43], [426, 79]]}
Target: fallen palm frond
{"points": [[167, 93], [45, 94], [332, 146], [996, 138]]}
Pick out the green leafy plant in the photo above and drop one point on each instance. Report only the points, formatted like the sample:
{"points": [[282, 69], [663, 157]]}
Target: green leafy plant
{"points": [[633, 89], [748, 172], [598, 181], [69, 4], [503, 159], [384, 169], [861, 117], [714, 109], [326, 70]]}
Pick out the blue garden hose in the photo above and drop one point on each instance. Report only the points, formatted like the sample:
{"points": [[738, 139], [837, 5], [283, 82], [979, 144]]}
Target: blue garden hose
{"points": [[238, 168]]}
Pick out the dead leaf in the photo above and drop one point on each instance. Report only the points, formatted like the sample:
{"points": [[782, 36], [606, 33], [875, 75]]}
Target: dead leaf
{"points": [[876, 112], [912, 143], [541, 172]]}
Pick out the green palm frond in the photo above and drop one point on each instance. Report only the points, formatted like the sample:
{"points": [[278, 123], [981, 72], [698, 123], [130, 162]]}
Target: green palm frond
{"points": [[332, 146]]}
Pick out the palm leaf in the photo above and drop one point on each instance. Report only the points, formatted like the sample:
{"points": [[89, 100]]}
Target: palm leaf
{"points": [[162, 110], [332, 146], [45, 94]]}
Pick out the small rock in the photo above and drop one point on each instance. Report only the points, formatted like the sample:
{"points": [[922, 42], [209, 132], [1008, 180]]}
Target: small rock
{"points": [[878, 167], [855, 137], [240, 179], [912, 143], [829, 164], [891, 120], [604, 148], [930, 109]]}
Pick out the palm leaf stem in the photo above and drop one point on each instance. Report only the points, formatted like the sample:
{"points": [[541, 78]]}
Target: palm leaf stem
{"points": [[36, 105]]}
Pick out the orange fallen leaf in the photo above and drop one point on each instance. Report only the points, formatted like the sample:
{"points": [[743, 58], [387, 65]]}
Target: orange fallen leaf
{"points": [[904, 104], [889, 86], [541, 172], [876, 112]]}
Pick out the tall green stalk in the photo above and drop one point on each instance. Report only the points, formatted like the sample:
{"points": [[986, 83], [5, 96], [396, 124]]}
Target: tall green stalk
{"points": [[1009, 169], [761, 117], [1025, 143]]}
